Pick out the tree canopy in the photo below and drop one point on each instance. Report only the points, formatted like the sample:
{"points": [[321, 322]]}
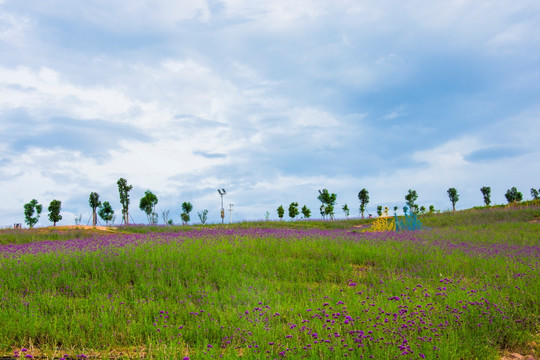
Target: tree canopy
{"points": [[363, 196], [410, 200], [29, 209], [93, 201], [280, 211], [328, 201], [486, 193], [346, 210], [453, 196], [54, 211], [186, 209], [106, 212], [123, 190], [148, 205], [513, 195], [306, 212]]}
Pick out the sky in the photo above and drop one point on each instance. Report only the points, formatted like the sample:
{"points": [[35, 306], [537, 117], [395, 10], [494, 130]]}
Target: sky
{"points": [[271, 100]]}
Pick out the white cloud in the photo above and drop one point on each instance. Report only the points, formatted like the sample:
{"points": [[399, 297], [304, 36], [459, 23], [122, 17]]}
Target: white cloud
{"points": [[275, 13], [13, 28], [122, 15], [44, 93]]}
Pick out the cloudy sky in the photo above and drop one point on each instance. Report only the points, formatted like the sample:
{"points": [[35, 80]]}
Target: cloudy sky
{"points": [[270, 99]]}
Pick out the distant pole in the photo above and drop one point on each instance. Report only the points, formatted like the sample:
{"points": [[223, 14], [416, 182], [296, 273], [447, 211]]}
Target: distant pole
{"points": [[222, 192], [230, 213]]}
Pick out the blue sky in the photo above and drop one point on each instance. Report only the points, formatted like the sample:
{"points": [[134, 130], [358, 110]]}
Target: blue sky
{"points": [[271, 100]]}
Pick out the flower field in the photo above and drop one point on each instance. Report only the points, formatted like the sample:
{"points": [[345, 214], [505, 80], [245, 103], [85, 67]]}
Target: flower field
{"points": [[461, 289]]}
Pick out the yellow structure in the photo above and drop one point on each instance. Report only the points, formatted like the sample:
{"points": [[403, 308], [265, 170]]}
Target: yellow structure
{"points": [[382, 223]]}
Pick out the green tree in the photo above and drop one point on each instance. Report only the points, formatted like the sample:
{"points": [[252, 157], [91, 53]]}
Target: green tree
{"points": [[431, 209], [280, 211], [203, 216], [186, 209], [346, 210], [148, 204], [106, 212], [422, 209], [395, 209], [513, 196], [379, 210], [410, 200], [123, 190], [453, 196], [306, 212], [293, 210], [29, 210], [328, 201], [54, 211], [93, 201], [534, 194], [486, 193], [363, 196]]}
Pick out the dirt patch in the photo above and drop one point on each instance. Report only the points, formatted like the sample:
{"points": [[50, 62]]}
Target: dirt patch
{"points": [[82, 227], [516, 356]]}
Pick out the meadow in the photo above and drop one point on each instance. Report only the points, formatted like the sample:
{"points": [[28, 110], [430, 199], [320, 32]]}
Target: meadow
{"points": [[466, 287]]}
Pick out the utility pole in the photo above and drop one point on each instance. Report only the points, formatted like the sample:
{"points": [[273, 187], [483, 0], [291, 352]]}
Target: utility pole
{"points": [[222, 192], [230, 213]]}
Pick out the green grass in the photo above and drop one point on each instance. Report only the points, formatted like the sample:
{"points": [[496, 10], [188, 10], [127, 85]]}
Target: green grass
{"points": [[113, 301], [23, 236]]}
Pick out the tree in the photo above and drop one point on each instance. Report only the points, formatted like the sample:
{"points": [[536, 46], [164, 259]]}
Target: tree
{"points": [[148, 205], [123, 190], [513, 196], [280, 211], [306, 212], [328, 201], [54, 211], [165, 216], [203, 216], [410, 199], [363, 196], [106, 212], [422, 209], [186, 209], [29, 210], [453, 196], [534, 194], [395, 209], [431, 209], [293, 210], [486, 193], [346, 211], [379, 210], [321, 210], [94, 203]]}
